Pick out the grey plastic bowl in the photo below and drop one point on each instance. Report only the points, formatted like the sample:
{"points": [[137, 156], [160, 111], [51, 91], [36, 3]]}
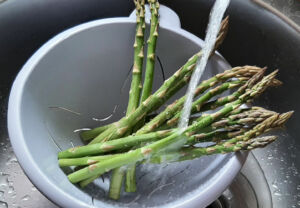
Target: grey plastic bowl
{"points": [[78, 76]]}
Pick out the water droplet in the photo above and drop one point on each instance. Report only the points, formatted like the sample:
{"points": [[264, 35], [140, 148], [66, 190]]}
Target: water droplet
{"points": [[298, 187], [298, 203], [26, 198], [294, 206], [10, 190], [3, 204], [275, 184], [13, 196], [1, 194], [33, 188], [3, 179], [270, 157], [269, 163], [277, 192], [12, 160]]}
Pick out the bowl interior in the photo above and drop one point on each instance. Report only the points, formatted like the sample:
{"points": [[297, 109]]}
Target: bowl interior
{"points": [[78, 83]]}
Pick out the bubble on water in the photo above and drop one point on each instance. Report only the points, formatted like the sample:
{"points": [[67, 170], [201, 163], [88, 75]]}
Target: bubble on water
{"points": [[3, 204], [25, 198]]}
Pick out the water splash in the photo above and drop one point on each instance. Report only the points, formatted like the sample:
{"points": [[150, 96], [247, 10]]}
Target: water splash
{"points": [[210, 39]]}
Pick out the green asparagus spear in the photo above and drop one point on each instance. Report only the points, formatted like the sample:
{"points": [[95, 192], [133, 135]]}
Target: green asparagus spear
{"points": [[126, 142], [176, 138], [153, 102], [135, 89], [192, 153]]}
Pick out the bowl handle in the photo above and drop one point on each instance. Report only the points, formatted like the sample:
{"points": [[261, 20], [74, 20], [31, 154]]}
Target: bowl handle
{"points": [[168, 18]]}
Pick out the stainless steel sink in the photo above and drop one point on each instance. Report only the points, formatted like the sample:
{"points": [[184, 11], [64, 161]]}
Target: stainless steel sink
{"points": [[270, 177]]}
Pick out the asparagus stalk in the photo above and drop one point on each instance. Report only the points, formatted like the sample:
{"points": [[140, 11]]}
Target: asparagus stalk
{"points": [[192, 153], [134, 93], [177, 86], [115, 185], [86, 182], [174, 110], [252, 116], [272, 122], [154, 101], [198, 107], [177, 137], [126, 142], [148, 81], [207, 135], [216, 136], [135, 89], [223, 100], [186, 78], [174, 107], [83, 160], [91, 134]]}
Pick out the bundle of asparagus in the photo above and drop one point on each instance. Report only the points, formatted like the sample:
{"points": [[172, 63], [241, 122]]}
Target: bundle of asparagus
{"points": [[131, 140]]}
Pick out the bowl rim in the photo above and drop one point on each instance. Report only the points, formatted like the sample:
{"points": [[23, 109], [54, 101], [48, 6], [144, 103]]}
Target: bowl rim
{"points": [[32, 170]]}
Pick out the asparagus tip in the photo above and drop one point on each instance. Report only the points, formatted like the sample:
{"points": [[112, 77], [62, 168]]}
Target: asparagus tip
{"points": [[260, 142]]}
